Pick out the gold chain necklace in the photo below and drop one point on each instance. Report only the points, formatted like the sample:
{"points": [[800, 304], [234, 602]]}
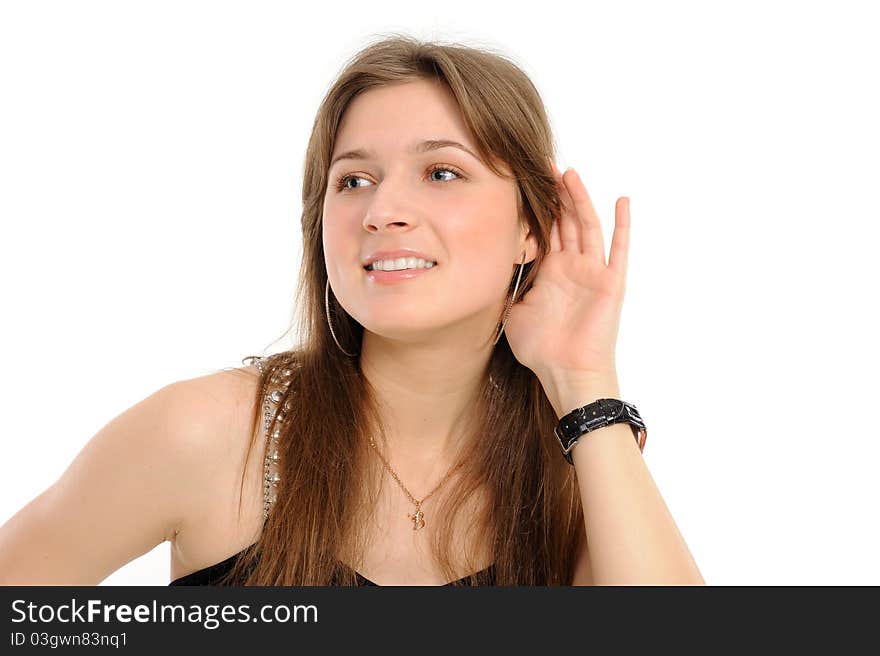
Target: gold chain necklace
{"points": [[418, 518]]}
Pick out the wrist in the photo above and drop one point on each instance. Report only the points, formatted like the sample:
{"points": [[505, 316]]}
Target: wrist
{"points": [[567, 391]]}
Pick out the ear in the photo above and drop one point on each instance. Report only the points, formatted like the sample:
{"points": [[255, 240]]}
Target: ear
{"points": [[528, 242]]}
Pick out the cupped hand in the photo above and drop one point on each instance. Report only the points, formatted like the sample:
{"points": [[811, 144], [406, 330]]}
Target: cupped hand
{"points": [[568, 321]]}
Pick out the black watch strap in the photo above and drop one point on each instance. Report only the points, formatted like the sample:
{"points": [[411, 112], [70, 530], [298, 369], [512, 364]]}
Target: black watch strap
{"points": [[598, 414]]}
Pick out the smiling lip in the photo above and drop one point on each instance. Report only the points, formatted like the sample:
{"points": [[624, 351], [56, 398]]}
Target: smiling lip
{"points": [[395, 254], [393, 277]]}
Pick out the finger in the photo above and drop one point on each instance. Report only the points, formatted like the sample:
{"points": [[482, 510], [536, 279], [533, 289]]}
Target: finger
{"points": [[587, 220], [569, 231], [555, 239], [617, 259]]}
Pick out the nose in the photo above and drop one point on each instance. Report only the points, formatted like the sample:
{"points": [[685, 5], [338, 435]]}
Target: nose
{"points": [[390, 207], [372, 223]]}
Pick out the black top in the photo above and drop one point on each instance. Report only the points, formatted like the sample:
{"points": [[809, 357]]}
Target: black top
{"points": [[209, 575]]}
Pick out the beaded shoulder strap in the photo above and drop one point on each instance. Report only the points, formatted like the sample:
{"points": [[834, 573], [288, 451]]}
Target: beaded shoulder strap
{"points": [[274, 393]]}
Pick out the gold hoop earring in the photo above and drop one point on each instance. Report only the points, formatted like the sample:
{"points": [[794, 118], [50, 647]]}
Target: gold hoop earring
{"points": [[509, 303], [330, 323]]}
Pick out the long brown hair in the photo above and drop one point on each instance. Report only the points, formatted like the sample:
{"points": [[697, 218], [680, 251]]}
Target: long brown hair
{"points": [[533, 522]]}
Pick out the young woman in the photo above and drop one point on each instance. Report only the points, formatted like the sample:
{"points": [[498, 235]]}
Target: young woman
{"points": [[455, 304]]}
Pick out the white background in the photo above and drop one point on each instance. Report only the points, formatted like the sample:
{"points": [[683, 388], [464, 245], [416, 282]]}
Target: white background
{"points": [[150, 176]]}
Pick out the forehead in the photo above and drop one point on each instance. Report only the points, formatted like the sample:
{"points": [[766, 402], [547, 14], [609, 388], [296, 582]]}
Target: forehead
{"points": [[394, 117]]}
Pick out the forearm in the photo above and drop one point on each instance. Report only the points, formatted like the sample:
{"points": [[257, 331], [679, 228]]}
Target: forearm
{"points": [[632, 537]]}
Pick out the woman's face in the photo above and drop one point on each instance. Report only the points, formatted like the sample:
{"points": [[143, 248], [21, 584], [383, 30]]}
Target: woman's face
{"points": [[463, 218]]}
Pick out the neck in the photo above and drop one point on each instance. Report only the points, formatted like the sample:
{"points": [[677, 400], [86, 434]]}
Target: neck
{"points": [[425, 394]]}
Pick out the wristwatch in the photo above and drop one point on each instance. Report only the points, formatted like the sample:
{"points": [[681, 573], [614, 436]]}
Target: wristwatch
{"points": [[597, 414]]}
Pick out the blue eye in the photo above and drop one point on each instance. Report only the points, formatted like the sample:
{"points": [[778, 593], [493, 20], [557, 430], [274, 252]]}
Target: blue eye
{"points": [[341, 181]]}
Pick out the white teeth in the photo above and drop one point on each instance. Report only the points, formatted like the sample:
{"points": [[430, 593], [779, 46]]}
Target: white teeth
{"points": [[401, 263]]}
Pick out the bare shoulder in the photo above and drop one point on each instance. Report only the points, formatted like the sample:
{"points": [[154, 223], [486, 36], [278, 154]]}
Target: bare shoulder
{"points": [[209, 403], [150, 472], [218, 411], [201, 427], [223, 495]]}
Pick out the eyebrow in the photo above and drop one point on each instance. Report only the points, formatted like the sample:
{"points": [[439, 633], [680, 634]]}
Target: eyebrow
{"points": [[420, 147]]}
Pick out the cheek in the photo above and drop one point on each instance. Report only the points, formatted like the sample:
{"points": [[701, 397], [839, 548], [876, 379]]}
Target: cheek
{"points": [[476, 231], [478, 269], [478, 234], [339, 216], [336, 233], [484, 211], [341, 255]]}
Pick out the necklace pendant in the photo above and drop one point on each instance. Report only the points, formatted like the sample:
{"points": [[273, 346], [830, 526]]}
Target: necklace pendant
{"points": [[418, 519]]}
